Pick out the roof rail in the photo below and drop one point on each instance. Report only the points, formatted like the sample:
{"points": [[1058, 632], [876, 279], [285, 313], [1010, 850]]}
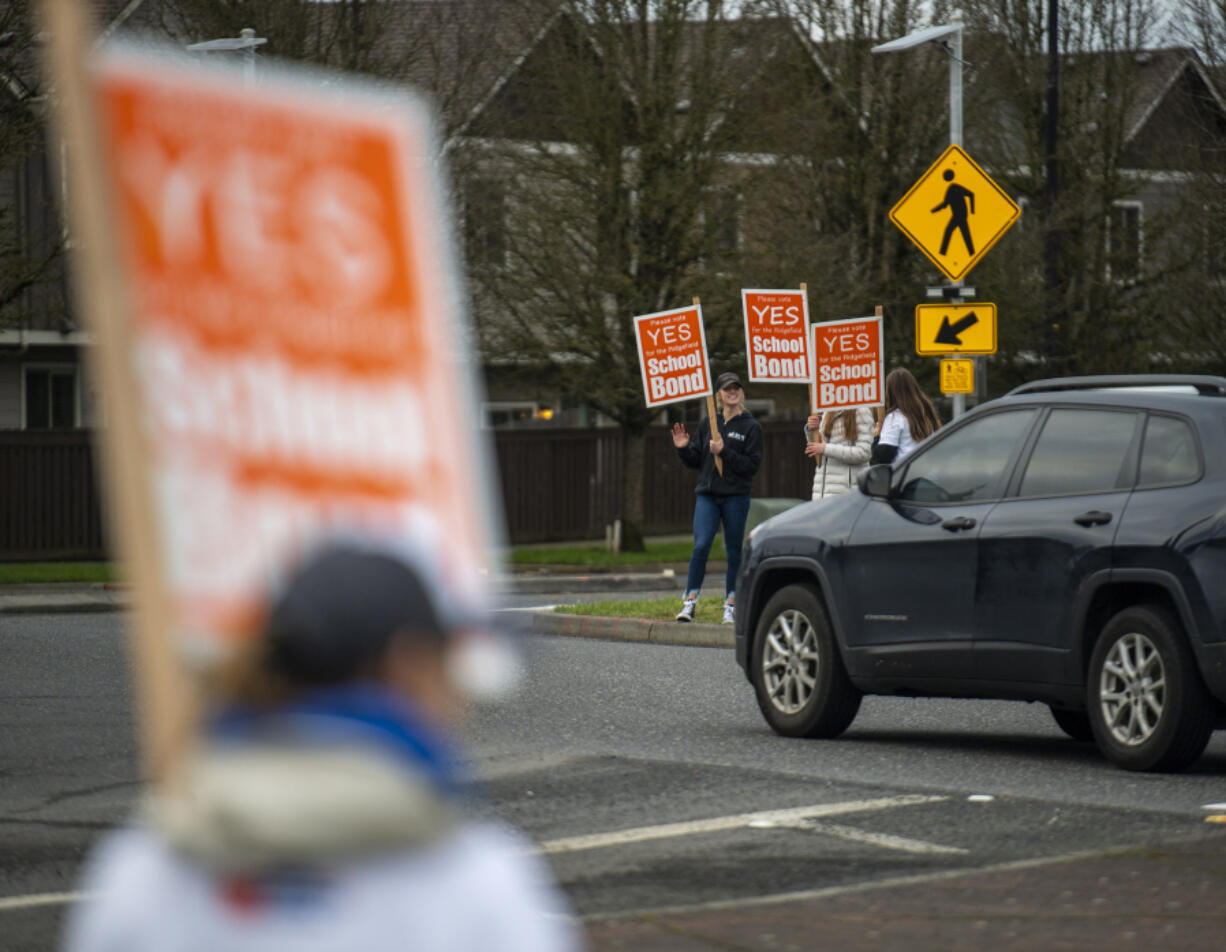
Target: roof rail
{"points": [[1202, 383]]}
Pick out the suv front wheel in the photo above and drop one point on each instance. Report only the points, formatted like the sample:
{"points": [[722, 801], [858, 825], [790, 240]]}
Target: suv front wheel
{"points": [[798, 676], [1147, 705]]}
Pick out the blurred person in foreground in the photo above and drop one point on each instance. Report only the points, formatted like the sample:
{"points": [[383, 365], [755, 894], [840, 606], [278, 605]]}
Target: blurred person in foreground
{"points": [[326, 807]]}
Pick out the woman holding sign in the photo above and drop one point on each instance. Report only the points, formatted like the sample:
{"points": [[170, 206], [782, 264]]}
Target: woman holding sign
{"points": [[720, 497], [909, 417], [841, 446]]}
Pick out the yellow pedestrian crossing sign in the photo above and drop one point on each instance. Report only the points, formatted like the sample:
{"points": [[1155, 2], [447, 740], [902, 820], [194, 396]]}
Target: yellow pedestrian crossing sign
{"points": [[955, 213]]}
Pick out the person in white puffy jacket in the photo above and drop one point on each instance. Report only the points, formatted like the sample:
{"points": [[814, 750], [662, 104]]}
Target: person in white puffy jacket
{"points": [[841, 446], [326, 808]]}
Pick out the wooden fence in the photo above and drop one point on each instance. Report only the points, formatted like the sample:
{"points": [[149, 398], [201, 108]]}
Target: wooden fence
{"points": [[557, 484]]}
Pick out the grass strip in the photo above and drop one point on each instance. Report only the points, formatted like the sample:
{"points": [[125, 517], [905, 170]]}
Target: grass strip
{"points": [[597, 556], [710, 610], [17, 573]]}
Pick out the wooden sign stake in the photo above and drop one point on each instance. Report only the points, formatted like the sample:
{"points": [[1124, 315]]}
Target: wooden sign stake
{"points": [[719, 463], [168, 705], [804, 289]]}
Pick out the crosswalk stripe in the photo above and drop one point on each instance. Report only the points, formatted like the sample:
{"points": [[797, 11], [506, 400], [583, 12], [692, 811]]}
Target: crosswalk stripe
{"points": [[763, 818]]}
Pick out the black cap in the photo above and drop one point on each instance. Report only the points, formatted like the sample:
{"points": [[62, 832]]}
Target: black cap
{"points": [[340, 608], [726, 378]]}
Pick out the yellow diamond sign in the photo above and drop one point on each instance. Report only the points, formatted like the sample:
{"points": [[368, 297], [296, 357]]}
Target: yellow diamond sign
{"points": [[955, 213]]}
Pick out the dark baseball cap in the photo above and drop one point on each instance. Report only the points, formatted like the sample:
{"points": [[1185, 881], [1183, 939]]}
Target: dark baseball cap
{"points": [[726, 378], [340, 607]]}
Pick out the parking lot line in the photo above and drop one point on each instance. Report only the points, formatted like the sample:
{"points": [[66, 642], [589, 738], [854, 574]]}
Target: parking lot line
{"points": [[760, 819]]}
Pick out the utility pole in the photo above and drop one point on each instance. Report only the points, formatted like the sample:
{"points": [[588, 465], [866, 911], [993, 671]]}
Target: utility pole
{"points": [[1053, 308]]}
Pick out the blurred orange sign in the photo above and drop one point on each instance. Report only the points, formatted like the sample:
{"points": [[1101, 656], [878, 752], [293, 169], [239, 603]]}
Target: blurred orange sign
{"points": [[673, 355], [776, 335], [847, 365], [294, 332]]}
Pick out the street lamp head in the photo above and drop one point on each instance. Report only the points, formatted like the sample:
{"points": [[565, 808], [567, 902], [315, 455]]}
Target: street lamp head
{"points": [[920, 37]]}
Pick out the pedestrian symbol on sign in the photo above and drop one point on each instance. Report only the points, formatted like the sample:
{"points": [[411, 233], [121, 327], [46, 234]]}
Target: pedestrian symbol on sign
{"points": [[956, 200], [955, 213]]}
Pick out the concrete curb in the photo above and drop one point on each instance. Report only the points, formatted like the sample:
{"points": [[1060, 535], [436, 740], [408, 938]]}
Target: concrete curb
{"points": [[634, 629], [544, 584]]}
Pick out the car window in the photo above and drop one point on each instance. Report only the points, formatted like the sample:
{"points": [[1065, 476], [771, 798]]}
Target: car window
{"points": [[967, 465], [1169, 452], [1080, 451]]}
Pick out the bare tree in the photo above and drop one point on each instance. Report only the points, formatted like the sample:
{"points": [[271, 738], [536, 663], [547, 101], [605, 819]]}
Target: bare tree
{"points": [[31, 249], [615, 142]]}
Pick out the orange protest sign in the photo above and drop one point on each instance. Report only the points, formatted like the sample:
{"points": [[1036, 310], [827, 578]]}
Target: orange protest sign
{"points": [[673, 355], [848, 370], [289, 354], [776, 335]]}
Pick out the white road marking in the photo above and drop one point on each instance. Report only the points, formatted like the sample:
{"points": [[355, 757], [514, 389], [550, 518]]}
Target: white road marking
{"points": [[530, 608], [573, 844], [40, 899], [884, 840]]}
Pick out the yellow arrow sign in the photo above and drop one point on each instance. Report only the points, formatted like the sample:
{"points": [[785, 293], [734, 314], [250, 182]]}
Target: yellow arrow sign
{"points": [[955, 213], [958, 375], [955, 329]]}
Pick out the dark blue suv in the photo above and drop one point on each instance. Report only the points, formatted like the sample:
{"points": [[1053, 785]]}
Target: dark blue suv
{"points": [[1065, 544]]}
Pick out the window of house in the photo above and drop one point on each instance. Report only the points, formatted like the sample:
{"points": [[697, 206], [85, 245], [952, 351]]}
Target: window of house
{"points": [[50, 398], [509, 413], [1124, 236], [721, 221], [485, 224], [1081, 451], [1213, 234]]}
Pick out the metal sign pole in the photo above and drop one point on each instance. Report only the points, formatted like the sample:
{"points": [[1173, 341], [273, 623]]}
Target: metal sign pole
{"points": [[955, 136]]}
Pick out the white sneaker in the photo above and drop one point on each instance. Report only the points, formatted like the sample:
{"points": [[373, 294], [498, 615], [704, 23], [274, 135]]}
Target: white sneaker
{"points": [[687, 610], [729, 614]]}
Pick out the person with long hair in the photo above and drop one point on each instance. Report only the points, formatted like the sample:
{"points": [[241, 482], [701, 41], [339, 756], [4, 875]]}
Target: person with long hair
{"points": [[720, 497], [909, 417], [842, 444]]}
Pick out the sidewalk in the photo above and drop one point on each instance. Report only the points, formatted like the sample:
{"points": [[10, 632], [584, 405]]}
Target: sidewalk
{"points": [[52, 598], [1166, 896]]}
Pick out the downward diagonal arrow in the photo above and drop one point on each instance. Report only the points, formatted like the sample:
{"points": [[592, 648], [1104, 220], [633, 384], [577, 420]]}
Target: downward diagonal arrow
{"points": [[948, 334]]}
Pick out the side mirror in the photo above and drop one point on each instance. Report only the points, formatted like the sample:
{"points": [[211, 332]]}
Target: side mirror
{"points": [[875, 481]]}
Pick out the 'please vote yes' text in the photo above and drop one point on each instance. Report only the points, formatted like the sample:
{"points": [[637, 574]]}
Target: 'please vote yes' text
{"points": [[858, 363], [778, 356]]}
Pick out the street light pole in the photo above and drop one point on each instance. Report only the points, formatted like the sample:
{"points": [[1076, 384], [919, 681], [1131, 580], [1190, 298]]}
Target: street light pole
{"points": [[949, 39]]}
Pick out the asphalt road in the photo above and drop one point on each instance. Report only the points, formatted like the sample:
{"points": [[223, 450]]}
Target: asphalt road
{"points": [[650, 779]]}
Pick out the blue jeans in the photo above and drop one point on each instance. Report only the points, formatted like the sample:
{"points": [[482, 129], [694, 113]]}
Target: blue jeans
{"points": [[709, 511]]}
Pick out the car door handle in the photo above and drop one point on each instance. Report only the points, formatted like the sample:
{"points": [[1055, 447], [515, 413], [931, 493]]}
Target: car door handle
{"points": [[1095, 517], [957, 523]]}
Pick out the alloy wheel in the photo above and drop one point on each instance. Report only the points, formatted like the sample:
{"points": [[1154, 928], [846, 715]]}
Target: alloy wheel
{"points": [[1132, 689], [790, 661]]}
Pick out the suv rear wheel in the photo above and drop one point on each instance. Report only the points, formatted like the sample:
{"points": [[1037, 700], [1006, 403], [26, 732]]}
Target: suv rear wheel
{"points": [[798, 676], [1146, 702]]}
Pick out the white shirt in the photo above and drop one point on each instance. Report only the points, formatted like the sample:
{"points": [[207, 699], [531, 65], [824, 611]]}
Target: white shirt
{"points": [[481, 889], [896, 431]]}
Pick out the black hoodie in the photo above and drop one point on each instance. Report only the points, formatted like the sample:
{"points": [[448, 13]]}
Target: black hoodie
{"points": [[742, 455]]}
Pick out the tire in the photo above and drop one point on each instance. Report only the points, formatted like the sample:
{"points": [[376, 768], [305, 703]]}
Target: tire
{"points": [[798, 676], [1147, 704], [1074, 723]]}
